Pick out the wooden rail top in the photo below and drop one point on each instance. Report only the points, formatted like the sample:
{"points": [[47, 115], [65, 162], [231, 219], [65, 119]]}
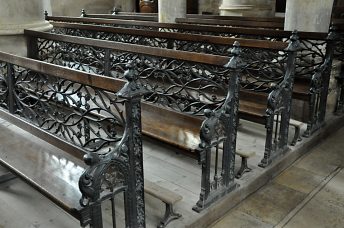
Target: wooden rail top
{"points": [[124, 17], [190, 27], [237, 23], [204, 16], [240, 18], [101, 82], [176, 36], [140, 49], [135, 13]]}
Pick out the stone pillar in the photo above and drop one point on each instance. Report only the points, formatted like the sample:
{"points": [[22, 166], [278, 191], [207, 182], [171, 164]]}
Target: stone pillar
{"points": [[250, 8], [17, 15], [308, 15], [169, 10]]}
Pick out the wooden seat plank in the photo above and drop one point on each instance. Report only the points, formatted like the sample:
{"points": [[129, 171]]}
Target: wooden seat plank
{"points": [[48, 169], [163, 194]]}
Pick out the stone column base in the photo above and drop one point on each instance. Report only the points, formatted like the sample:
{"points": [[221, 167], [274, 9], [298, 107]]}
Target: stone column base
{"points": [[12, 39]]}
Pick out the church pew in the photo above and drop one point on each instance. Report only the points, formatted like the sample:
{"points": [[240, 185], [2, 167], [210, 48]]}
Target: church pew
{"points": [[235, 22], [232, 23], [253, 104], [275, 22], [172, 112], [61, 107], [137, 17], [202, 16], [240, 18], [184, 28], [305, 87]]}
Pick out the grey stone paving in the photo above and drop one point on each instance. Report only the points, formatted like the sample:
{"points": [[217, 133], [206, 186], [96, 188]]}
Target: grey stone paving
{"points": [[310, 193]]}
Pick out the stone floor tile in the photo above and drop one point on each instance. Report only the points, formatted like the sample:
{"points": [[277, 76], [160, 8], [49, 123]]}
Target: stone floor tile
{"points": [[272, 203], [299, 179], [319, 164], [239, 219], [333, 192], [318, 214]]}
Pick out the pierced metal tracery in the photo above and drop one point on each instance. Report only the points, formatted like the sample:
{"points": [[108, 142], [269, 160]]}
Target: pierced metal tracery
{"points": [[104, 124]]}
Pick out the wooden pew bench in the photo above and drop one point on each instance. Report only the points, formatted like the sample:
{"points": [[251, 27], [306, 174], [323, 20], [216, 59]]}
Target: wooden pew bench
{"points": [[149, 38], [136, 17], [213, 65], [305, 83], [253, 105], [41, 157], [61, 109], [238, 18], [231, 23], [167, 197]]}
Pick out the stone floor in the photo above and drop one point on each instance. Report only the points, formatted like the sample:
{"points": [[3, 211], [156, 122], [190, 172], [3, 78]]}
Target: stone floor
{"points": [[21, 206], [310, 193]]}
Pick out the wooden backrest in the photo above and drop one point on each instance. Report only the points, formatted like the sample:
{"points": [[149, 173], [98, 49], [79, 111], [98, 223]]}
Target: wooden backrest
{"points": [[194, 29], [164, 38], [137, 17], [172, 75], [239, 18], [169, 75], [211, 44], [232, 23]]}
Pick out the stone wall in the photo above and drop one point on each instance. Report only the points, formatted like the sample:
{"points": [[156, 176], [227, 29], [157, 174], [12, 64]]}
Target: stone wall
{"points": [[74, 7], [125, 5]]}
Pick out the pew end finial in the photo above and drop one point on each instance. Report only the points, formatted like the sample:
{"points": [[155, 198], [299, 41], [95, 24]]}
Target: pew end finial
{"points": [[83, 13]]}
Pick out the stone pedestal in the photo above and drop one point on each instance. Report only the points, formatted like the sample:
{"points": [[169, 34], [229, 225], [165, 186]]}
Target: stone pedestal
{"points": [[17, 15], [308, 15], [169, 10], [250, 8]]}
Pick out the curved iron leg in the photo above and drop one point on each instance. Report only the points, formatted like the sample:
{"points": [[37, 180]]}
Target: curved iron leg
{"points": [[243, 168], [296, 135], [169, 216]]}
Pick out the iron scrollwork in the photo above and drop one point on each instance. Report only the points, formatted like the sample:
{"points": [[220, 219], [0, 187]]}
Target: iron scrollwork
{"points": [[104, 124], [279, 108], [218, 132], [126, 163]]}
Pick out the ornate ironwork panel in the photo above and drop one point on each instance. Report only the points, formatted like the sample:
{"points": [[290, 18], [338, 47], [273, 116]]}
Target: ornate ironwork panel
{"points": [[218, 141], [104, 124], [279, 108]]}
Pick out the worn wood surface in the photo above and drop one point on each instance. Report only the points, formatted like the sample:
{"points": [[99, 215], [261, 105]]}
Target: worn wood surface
{"points": [[137, 17], [190, 27], [234, 23]]}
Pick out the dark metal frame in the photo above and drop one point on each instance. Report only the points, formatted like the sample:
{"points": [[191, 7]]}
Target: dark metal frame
{"points": [[180, 85], [306, 66], [319, 88], [220, 127], [279, 108], [339, 54], [265, 67]]}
